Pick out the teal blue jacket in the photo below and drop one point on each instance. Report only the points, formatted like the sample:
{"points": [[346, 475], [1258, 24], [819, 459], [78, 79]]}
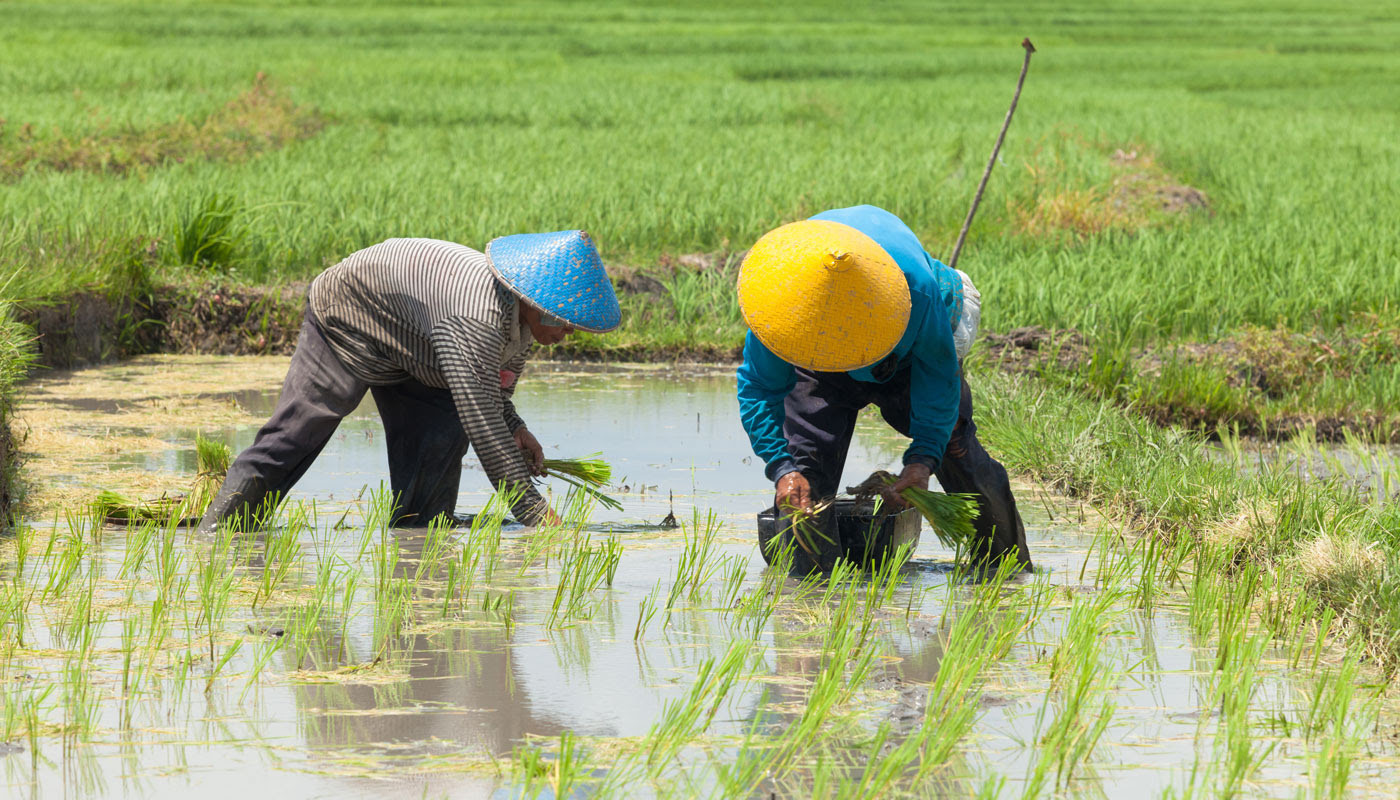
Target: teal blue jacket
{"points": [[935, 293]]}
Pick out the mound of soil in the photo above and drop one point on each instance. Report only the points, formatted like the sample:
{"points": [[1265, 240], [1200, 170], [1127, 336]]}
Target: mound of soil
{"points": [[1026, 349], [87, 328], [81, 329], [223, 320]]}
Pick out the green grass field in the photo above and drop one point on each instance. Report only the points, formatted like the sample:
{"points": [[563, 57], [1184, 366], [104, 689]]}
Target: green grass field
{"points": [[1176, 174], [698, 128]]}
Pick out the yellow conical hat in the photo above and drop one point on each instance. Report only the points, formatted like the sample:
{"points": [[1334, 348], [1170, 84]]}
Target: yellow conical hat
{"points": [[823, 296]]}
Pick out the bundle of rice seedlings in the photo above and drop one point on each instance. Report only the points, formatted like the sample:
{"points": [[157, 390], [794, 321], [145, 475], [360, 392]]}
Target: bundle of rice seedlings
{"points": [[949, 515], [593, 471], [807, 530], [117, 509], [211, 465], [586, 475], [211, 460]]}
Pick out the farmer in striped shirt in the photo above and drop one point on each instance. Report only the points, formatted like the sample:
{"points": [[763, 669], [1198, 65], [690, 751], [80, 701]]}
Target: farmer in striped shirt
{"points": [[438, 333], [846, 310]]}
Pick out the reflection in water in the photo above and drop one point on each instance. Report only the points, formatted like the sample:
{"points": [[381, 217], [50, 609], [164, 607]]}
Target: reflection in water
{"points": [[461, 691]]}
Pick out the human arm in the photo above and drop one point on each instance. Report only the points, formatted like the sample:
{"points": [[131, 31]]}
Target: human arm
{"points": [[763, 382], [510, 378], [935, 390], [468, 353], [792, 490], [524, 439]]}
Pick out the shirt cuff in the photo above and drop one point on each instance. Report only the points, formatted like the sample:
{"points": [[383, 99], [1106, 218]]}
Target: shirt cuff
{"points": [[919, 458], [780, 468]]}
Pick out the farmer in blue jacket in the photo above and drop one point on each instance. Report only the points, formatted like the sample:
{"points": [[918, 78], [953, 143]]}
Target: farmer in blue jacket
{"points": [[844, 310]]}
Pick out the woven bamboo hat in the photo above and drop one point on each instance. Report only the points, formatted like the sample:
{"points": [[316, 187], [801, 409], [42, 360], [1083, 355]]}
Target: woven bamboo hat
{"points": [[559, 273], [823, 296]]}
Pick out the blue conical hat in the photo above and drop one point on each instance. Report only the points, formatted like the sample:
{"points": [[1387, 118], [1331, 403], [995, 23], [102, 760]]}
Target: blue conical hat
{"points": [[559, 273]]}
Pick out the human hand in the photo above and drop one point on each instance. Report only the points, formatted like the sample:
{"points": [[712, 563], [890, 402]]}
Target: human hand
{"points": [[793, 492], [913, 475], [534, 453]]}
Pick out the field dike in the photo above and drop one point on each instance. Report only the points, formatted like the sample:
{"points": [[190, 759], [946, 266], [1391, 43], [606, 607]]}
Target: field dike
{"points": [[88, 328], [1275, 384], [16, 358]]}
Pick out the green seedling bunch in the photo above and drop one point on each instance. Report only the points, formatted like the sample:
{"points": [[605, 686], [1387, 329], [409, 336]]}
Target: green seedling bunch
{"points": [[592, 471], [751, 612], [684, 719], [129, 627], [950, 516], [646, 610], [281, 554], [1079, 707], [586, 476], [808, 531], [1339, 727], [212, 460], [698, 559], [118, 509], [215, 581], [583, 568]]}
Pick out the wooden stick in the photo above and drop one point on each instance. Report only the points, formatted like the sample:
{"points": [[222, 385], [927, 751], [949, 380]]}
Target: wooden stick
{"points": [[967, 223]]}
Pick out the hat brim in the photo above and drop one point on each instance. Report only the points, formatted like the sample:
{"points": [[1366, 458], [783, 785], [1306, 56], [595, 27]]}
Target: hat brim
{"points": [[606, 313]]}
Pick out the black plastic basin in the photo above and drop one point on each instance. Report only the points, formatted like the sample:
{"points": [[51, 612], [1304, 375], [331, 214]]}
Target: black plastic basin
{"points": [[863, 539]]}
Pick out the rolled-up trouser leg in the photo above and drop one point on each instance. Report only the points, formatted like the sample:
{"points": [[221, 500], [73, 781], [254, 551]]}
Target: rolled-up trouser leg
{"points": [[968, 467], [317, 392], [426, 444]]}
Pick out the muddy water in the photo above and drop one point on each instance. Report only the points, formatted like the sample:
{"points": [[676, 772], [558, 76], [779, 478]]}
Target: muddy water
{"points": [[465, 693]]}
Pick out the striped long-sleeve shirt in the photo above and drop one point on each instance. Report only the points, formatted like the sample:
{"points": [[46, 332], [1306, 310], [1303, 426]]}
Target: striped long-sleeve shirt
{"points": [[434, 311]]}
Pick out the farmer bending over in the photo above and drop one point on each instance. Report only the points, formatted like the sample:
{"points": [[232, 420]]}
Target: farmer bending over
{"points": [[438, 333], [844, 310]]}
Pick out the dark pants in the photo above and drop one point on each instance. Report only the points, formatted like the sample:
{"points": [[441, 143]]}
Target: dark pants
{"points": [[821, 415], [424, 436]]}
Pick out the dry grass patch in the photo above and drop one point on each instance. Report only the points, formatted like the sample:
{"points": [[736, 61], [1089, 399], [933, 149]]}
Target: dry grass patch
{"points": [[1338, 566], [258, 120], [1244, 534], [1139, 193]]}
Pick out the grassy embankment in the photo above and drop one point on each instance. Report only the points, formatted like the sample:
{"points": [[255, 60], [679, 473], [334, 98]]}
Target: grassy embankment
{"points": [[16, 355], [1332, 542]]}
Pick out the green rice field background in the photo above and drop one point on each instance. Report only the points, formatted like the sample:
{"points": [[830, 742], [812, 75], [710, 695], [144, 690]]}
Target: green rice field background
{"points": [[690, 128]]}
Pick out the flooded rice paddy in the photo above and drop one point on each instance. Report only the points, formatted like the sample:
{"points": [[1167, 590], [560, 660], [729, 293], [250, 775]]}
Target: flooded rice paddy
{"points": [[331, 656], [1372, 469]]}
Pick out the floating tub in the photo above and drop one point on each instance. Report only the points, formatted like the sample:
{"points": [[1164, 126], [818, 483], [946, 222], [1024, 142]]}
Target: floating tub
{"points": [[864, 538]]}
